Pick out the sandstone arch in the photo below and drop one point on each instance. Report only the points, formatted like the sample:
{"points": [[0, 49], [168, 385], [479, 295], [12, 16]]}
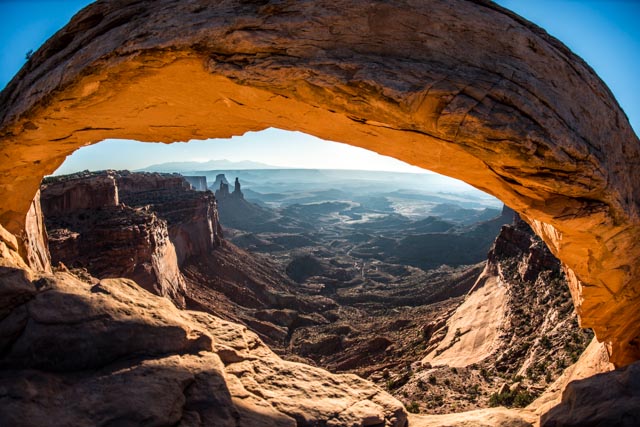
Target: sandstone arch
{"points": [[461, 87]]}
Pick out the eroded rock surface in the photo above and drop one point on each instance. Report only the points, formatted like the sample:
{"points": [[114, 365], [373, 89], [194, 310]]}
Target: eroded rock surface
{"points": [[605, 399], [507, 342], [141, 226], [112, 353], [494, 417], [191, 216], [464, 88], [35, 242]]}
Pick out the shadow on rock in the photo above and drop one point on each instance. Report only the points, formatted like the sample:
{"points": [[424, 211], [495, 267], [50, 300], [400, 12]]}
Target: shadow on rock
{"points": [[609, 399]]}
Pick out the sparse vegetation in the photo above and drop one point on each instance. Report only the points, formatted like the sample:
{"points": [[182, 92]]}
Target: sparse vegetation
{"points": [[413, 407], [516, 398]]}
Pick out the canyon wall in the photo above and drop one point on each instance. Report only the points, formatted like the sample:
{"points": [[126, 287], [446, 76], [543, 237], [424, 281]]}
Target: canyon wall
{"points": [[461, 87], [139, 226], [516, 326], [192, 216]]}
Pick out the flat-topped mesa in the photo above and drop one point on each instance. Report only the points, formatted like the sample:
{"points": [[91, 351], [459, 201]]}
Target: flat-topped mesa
{"points": [[131, 183], [82, 190], [141, 226]]}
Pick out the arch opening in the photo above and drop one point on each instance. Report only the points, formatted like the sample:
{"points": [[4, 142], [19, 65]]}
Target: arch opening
{"points": [[335, 239], [539, 131]]}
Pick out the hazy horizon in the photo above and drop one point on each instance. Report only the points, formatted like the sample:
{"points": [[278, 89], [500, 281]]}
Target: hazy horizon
{"points": [[273, 147]]}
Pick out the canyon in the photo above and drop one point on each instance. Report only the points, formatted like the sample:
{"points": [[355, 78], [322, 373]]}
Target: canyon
{"points": [[520, 117], [380, 334]]}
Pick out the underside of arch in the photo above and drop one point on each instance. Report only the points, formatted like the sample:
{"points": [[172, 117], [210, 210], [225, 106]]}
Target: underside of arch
{"points": [[461, 87]]}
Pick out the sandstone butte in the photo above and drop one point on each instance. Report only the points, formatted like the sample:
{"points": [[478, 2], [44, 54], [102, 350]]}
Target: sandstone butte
{"points": [[461, 87]]}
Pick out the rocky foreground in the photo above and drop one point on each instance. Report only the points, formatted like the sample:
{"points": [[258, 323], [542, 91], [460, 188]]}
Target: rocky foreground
{"points": [[111, 353]]}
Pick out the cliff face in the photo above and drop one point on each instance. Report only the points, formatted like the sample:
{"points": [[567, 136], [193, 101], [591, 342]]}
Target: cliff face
{"points": [[192, 216], [154, 229], [138, 226], [84, 190], [143, 341], [118, 241], [516, 327]]}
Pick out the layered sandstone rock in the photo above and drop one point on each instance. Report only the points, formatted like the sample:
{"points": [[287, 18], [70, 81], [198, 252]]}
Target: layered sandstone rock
{"points": [[35, 242], [83, 190], [517, 316], [167, 238], [605, 399], [140, 226], [192, 216], [113, 354], [119, 242], [464, 88]]}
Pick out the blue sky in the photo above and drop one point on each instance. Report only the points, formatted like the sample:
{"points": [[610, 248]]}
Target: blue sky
{"points": [[605, 33]]}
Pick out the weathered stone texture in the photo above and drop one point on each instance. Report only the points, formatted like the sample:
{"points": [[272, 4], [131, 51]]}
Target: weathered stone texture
{"points": [[141, 226], [461, 87], [113, 354]]}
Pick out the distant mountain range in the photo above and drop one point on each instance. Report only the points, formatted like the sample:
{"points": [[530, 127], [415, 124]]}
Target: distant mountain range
{"points": [[222, 164]]}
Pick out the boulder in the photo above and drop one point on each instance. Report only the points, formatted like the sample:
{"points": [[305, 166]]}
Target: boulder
{"points": [[115, 354], [606, 399]]}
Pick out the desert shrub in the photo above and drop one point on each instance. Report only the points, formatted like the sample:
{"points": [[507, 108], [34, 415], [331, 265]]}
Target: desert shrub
{"points": [[413, 407], [517, 399], [484, 373]]}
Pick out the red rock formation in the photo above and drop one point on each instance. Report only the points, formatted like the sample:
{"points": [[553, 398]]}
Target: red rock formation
{"points": [[606, 399], [35, 246], [112, 354], [192, 216], [131, 183], [492, 100], [116, 242], [84, 190], [516, 322], [158, 223]]}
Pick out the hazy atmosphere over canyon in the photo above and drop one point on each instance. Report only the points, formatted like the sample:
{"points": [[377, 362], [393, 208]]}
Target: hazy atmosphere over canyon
{"points": [[415, 213]]}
